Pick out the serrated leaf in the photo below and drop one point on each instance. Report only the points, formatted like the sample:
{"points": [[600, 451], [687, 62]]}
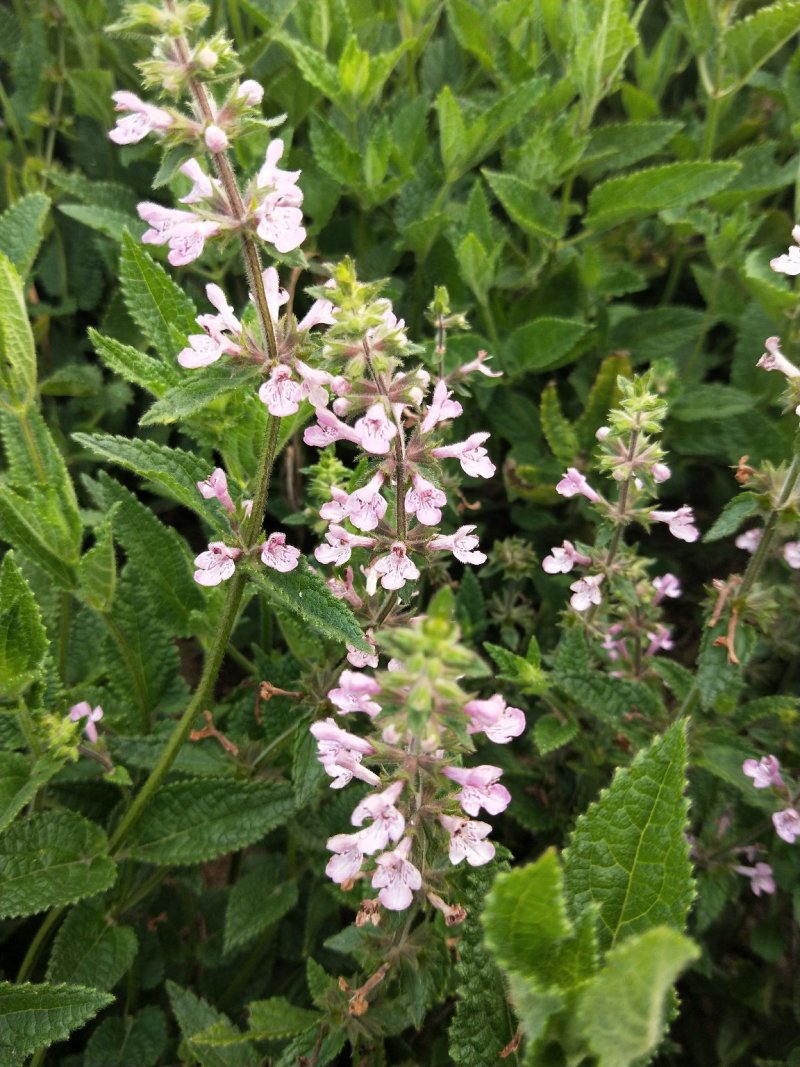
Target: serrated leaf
{"points": [[711, 401], [749, 43], [154, 375], [604, 395], [560, 434], [523, 672], [621, 1012], [161, 310], [50, 859], [194, 1015], [197, 391], [255, 903], [303, 593], [21, 230], [23, 640], [135, 1039], [109, 221], [20, 782], [628, 854], [649, 191], [617, 145], [544, 344], [35, 1016], [551, 733], [98, 568], [676, 677], [732, 516], [198, 820], [26, 524], [17, 352], [91, 951], [268, 1020], [529, 207]]}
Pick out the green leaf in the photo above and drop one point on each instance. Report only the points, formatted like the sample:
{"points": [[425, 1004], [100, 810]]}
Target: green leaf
{"points": [[313, 66], [303, 593], [194, 1015], [255, 903], [154, 375], [628, 854], [618, 145], [198, 390], [90, 950], [268, 1020], [469, 28], [20, 782], [649, 191], [749, 43], [528, 206], [604, 395], [452, 132], [35, 1016], [161, 310], [527, 675], [134, 1039], [551, 733], [476, 266], [621, 1013], [52, 859], [22, 230], [98, 568], [732, 516], [17, 352], [711, 401], [544, 344], [23, 640], [559, 433], [111, 222], [200, 819], [26, 524]]}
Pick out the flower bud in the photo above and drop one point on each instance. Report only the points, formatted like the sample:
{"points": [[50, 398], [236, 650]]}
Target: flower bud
{"points": [[216, 139], [206, 58]]}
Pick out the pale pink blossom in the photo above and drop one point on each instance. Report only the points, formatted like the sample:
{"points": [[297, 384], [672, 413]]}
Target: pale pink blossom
{"points": [[573, 483], [480, 788], [354, 693], [787, 825], [375, 430], [340, 545], [346, 863], [217, 564], [358, 658], [463, 544], [321, 313], [765, 772], [791, 554], [161, 220], [215, 487], [467, 840], [276, 295], [425, 501], [216, 139], [204, 349], [479, 364], [660, 640], [340, 753], [84, 710], [280, 223], [749, 540], [275, 553], [343, 589], [315, 380], [774, 359], [281, 393], [471, 454], [680, 522], [562, 559], [660, 472], [586, 591], [251, 92], [388, 824], [395, 568], [201, 351], [440, 408], [615, 645], [329, 429], [499, 721], [789, 263], [225, 319], [336, 509], [602, 432], [143, 119], [366, 507], [667, 585], [272, 177], [203, 186], [396, 877], [761, 878], [185, 232]]}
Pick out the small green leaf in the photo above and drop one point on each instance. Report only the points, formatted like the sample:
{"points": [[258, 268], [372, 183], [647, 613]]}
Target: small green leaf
{"points": [[17, 352], [452, 132], [544, 344], [198, 390], [194, 1016], [133, 1039], [268, 1020], [529, 207], [20, 782], [35, 1016], [732, 516], [89, 950], [23, 640], [98, 569], [711, 401], [749, 43], [523, 672], [559, 433], [21, 230], [604, 395], [256, 902], [109, 221], [154, 375], [551, 733], [476, 266], [161, 309]]}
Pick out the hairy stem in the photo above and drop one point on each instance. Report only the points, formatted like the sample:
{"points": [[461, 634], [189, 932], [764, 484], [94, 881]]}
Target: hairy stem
{"points": [[757, 560]]}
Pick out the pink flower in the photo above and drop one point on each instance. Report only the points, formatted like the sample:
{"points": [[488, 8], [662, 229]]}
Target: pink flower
{"points": [[366, 507], [346, 863], [201, 351], [344, 589], [749, 540], [479, 364], [765, 772], [573, 483], [791, 553], [466, 840], [787, 825], [761, 879], [480, 788], [586, 591], [396, 878], [84, 710], [375, 431], [388, 824], [215, 487], [666, 585], [680, 523], [463, 544], [789, 263], [774, 359], [336, 509], [425, 501], [329, 429], [562, 560], [143, 119], [186, 242], [224, 319], [280, 223], [162, 220], [282, 394], [204, 349], [474, 459], [216, 565], [203, 187], [321, 313], [340, 545], [251, 92], [500, 722], [660, 472], [395, 568], [361, 659], [271, 177], [277, 554], [216, 139], [340, 753], [354, 692], [660, 640], [440, 408]]}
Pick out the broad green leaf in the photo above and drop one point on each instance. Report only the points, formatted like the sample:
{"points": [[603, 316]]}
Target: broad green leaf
{"points": [[98, 568], [603, 396], [35, 1016], [649, 191], [648, 335], [154, 375], [32, 525], [21, 230], [621, 1013], [17, 352], [476, 265], [749, 43], [109, 221], [23, 641], [313, 66], [618, 145], [732, 516], [468, 24], [304, 593], [90, 950], [193, 821], [628, 854], [36, 467], [604, 37], [255, 903], [91, 91], [268, 1020], [711, 401], [559, 433], [194, 1015], [51, 859], [544, 344], [452, 132], [133, 1039], [551, 733], [20, 781], [528, 206], [161, 310], [198, 390]]}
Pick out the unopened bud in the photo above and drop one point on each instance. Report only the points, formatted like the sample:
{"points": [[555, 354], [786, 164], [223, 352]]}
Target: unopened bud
{"points": [[216, 139], [251, 92], [206, 58]]}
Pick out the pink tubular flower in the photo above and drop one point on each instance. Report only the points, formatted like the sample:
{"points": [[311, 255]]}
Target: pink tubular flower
{"points": [[774, 359], [215, 487], [366, 507], [681, 523], [480, 788], [340, 545], [84, 710], [343, 589], [562, 560], [396, 877], [666, 585], [661, 472], [787, 825], [463, 544], [479, 364], [280, 223], [395, 568], [765, 772], [321, 313], [500, 722], [440, 408], [466, 840], [375, 430], [761, 878], [340, 753], [329, 429], [749, 540], [586, 591], [471, 454], [425, 501], [336, 509], [186, 241], [388, 824], [216, 565], [281, 393], [789, 263], [251, 92], [361, 659], [272, 177], [660, 640], [216, 139], [573, 483], [275, 553], [791, 554], [354, 692], [143, 119], [346, 863], [203, 187]]}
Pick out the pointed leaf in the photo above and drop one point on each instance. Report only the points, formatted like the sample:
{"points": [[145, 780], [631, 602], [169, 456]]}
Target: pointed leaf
{"points": [[20, 782], [89, 950], [194, 1015], [255, 903], [161, 310], [17, 352], [198, 390], [120, 1042], [21, 230], [35, 1016], [529, 207], [98, 569], [544, 344], [154, 375], [559, 433], [23, 641], [749, 43]]}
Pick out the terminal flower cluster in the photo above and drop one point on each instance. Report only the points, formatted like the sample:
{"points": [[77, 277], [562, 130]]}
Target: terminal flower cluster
{"points": [[766, 774]]}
